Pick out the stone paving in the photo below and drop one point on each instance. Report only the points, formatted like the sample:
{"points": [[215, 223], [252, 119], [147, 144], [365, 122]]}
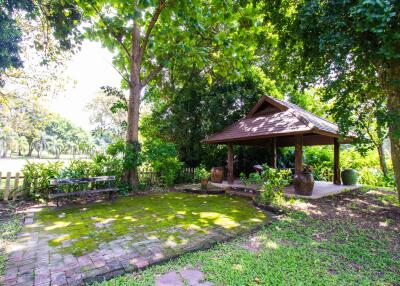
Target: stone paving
{"points": [[190, 276], [32, 262]]}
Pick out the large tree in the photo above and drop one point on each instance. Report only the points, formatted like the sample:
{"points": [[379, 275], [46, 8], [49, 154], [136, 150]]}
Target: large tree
{"points": [[147, 35], [349, 47]]}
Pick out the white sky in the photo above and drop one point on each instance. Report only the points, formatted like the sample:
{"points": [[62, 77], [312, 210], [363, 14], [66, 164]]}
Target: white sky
{"points": [[90, 68]]}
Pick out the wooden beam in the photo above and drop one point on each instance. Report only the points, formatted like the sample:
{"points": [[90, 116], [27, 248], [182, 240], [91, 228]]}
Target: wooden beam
{"points": [[336, 166], [230, 164], [274, 155], [298, 154]]}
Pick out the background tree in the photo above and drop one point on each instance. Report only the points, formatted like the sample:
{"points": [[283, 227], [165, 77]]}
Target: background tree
{"points": [[348, 47], [196, 107], [108, 114]]}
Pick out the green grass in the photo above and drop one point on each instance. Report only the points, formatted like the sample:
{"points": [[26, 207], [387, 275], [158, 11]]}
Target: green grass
{"points": [[8, 231], [304, 248], [155, 213]]}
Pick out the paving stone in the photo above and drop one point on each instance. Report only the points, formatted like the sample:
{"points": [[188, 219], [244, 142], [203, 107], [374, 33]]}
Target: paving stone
{"points": [[169, 279], [10, 273], [192, 276], [84, 260], [58, 279], [25, 277], [140, 262], [42, 279]]}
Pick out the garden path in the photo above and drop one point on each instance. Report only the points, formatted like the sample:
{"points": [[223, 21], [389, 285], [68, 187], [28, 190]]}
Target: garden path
{"points": [[75, 247]]}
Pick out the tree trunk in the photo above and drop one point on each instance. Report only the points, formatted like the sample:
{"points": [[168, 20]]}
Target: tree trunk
{"points": [[5, 152], [135, 88], [382, 160], [393, 106], [30, 147], [394, 131]]}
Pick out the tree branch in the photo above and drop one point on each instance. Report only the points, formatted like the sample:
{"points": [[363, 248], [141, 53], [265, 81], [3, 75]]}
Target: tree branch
{"points": [[122, 75], [154, 18], [151, 75], [112, 32]]}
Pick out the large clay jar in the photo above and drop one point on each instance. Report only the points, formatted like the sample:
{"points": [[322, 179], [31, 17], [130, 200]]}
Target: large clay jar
{"points": [[217, 174], [349, 177], [303, 183]]}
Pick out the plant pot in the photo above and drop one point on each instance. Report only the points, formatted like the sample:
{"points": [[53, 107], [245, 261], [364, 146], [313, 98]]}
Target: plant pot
{"points": [[204, 183], [217, 174], [349, 177], [303, 183]]}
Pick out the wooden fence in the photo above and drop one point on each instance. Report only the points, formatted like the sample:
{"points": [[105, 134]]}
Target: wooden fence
{"points": [[9, 185]]}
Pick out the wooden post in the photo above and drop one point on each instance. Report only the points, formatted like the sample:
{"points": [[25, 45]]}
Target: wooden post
{"points": [[298, 154], [230, 164], [7, 190], [274, 155], [336, 166], [16, 185]]}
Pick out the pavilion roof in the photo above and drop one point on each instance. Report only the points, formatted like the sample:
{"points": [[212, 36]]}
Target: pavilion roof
{"points": [[272, 117]]}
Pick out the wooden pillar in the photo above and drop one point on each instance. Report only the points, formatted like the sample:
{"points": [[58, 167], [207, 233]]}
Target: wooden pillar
{"points": [[274, 155], [336, 166], [298, 154], [230, 164]]}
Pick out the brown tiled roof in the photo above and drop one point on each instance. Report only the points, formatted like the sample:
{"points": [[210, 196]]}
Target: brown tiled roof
{"points": [[271, 117]]}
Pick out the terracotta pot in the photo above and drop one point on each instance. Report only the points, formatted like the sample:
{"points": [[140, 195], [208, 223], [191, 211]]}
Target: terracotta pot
{"points": [[204, 183], [303, 183], [217, 174]]}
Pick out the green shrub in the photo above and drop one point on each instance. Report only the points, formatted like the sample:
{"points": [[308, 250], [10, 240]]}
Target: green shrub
{"points": [[162, 157], [254, 178], [320, 159], [272, 182], [37, 177], [201, 173]]}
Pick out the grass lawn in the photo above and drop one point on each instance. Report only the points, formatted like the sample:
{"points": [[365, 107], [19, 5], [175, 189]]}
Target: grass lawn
{"points": [[350, 239], [174, 218]]}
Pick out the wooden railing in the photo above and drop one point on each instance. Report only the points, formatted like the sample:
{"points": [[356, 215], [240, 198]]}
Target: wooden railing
{"points": [[9, 185]]}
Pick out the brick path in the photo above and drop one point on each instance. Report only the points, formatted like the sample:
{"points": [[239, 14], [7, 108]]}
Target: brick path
{"points": [[32, 262]]}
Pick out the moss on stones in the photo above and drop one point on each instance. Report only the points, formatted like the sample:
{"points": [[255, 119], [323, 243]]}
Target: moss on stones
{"points": [[170, 217]]}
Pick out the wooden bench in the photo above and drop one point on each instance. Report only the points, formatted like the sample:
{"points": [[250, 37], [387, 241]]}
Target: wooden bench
{"points": [[56, 183]]}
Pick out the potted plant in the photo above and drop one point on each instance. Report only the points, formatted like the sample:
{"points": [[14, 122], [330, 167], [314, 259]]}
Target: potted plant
{"points": [[303, 182], [201, 174]]}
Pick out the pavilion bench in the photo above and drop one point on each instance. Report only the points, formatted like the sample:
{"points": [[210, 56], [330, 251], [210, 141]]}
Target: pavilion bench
{"points": [[55, 184]]}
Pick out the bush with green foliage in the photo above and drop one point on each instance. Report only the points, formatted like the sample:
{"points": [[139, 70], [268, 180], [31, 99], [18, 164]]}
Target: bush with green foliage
{"points": [[320, 159], [253, 178], [162, 158], [37, 177], [201, 173], [272, 182]]}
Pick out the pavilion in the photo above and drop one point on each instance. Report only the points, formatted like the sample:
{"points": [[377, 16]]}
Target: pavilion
{"points": [[279, 123]]}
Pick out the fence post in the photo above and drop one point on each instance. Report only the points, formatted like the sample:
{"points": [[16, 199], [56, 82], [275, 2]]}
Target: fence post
{"points": [[7, 190], [16, 185]]}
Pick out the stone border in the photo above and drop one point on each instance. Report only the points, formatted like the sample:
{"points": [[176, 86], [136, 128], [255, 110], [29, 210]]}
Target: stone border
{"points": [[200, 247]]}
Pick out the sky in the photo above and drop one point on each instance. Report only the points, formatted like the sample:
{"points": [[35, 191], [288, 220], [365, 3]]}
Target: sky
{"points": [[90, 69]]}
